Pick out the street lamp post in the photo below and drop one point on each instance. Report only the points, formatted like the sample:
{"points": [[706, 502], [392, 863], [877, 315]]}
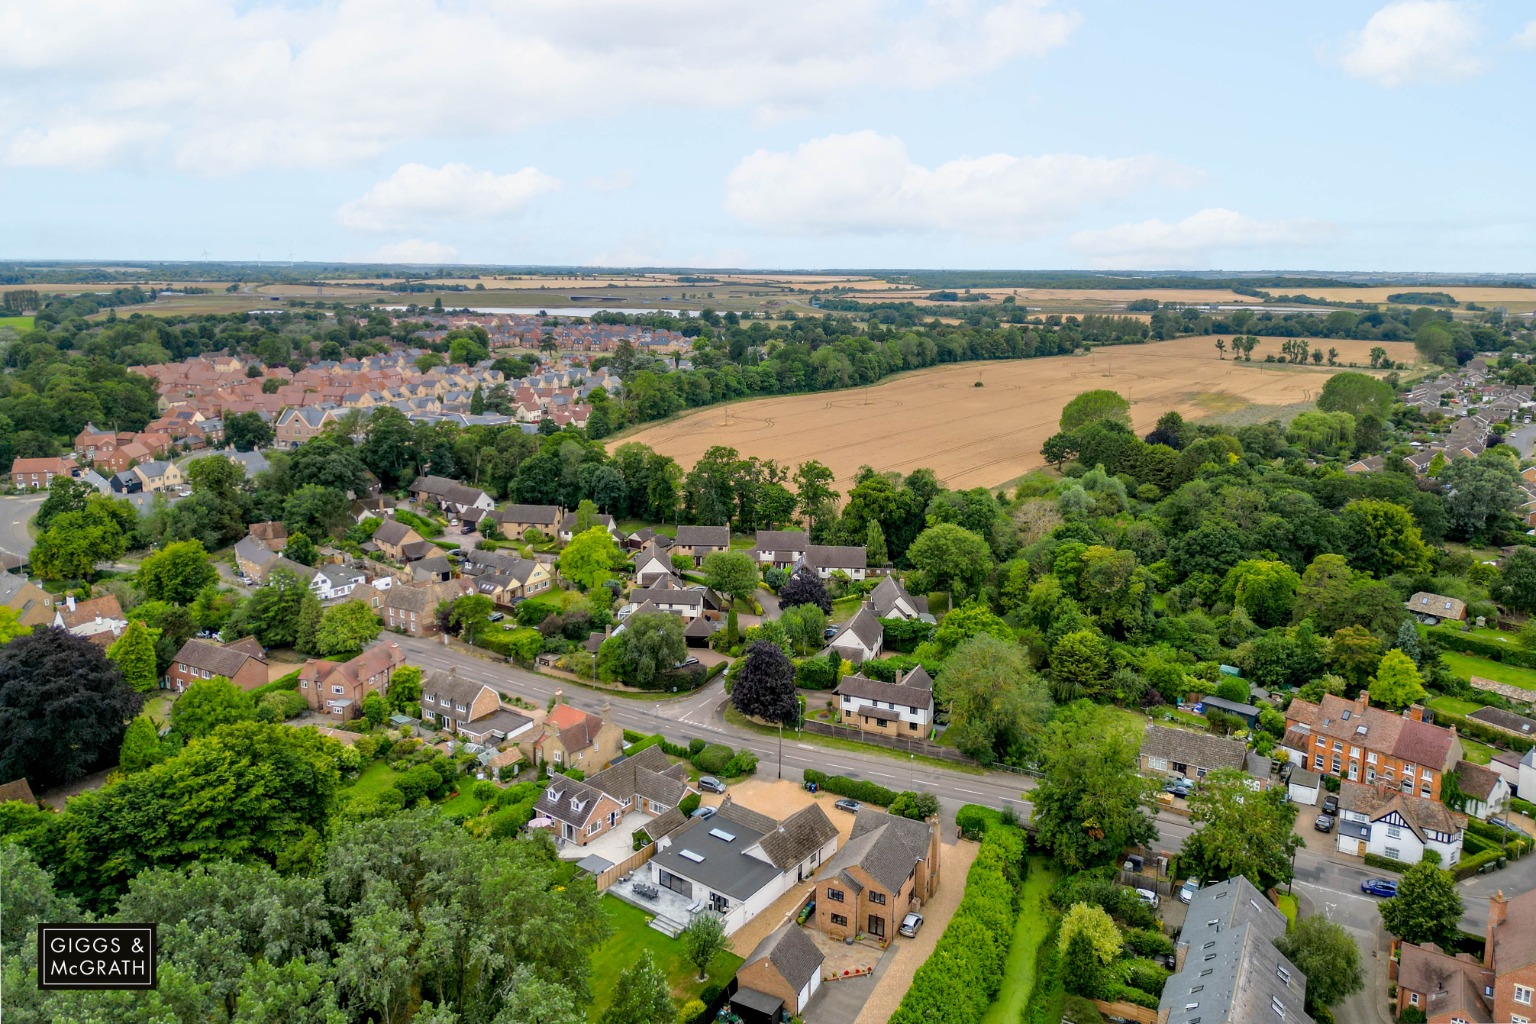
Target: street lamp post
{"points": [[781, 750]]}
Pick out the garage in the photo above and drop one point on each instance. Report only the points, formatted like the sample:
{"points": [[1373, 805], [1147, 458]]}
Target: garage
{"points": [[1305, 786]]}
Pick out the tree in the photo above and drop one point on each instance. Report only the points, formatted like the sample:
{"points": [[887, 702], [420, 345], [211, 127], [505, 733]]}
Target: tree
{"points": [[1357, 394], [805, 624], [10, 625], [347, 628], [1089, 942], [642, 996], [805, 587], [1093, 407], [1383, 539], [76, 542], [1482, 494], [1328, 955], [1266, 590], [177, 573], [997, 707], [405, 690], [731, 572], [63, 707], [307, 627], [1354, 653], [1090, 803], [1427, 907], [589, 558], [950, 557], [652, 643], [208, 704], [765, 685], [1242, 831], [65, 494], [141, 746], [316, 511], [817, 499], [301, 549], [247, 431], [375, 708], [1397, 683], [470, 615], [703, 940], [874, 545], [1079, 662], [1058, 448], [1516, 585], [134, 654]]}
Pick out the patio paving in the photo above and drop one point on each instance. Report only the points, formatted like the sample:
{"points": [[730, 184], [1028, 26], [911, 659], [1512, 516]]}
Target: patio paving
{"points": [[614, 846]]}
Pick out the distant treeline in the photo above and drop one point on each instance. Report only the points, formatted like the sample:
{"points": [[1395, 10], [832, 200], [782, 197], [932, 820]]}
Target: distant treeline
{"points": [[1423, 299]]}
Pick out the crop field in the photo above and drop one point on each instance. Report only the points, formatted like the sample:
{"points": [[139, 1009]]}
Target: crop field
{"points": [[21, 323], [985, 436], [1513, 298]]}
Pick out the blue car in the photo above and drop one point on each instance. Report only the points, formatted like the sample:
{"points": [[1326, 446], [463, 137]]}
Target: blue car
{"points": [[1379, 887]]}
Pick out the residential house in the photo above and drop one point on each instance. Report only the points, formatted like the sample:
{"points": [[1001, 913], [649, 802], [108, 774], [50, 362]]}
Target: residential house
{"points": [[271, 533], [573, 738], [698, 542], [688, 603], [890, 600], [902, 709], [644, 537], [243, 663], [295, 425], [1432, 609], [1193, 755], [397, 541], [581, 812], [852, 561], [861, 637], [100, 618], [517, 577], [1353, 740], [451, 701], [92, 443], [156, 477], [333, 582], [413, 610], [434, 569], [568, 526], [517, 520], [648, 782], [1381, 820], [1525, 788], [739, 861], [1510, 950], [888, 866], [1229, 971], [18, 789], [780, 549], [451, 496], [1443, 987], [254, 559], [779, 976], [32, 604], [653, 566], [338, 689], [1367, 465], [37, 474], [1485, 792]]}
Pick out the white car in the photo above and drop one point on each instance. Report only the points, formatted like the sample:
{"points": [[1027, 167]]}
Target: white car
{"points": [[1188, 890], [1148, 897]]}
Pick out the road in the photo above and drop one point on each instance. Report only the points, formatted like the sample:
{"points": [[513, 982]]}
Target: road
{"points": [[15, 512]]}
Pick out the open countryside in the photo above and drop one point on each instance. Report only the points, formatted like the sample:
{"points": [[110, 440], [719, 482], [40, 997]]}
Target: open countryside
{"points": [[985, 436]]}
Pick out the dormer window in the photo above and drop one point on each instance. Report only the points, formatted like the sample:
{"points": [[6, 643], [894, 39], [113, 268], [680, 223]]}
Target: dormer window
{"points": [[575, 804]]}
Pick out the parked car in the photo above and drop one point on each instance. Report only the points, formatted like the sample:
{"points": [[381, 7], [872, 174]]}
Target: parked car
{"points": [[703, 812], [1331, 804], [1148, 897], [1379, 887], [497, 616], [851, 806], [1179, 787], [710, 784], [1507, 826], [831, 631], [1324, 823], [910, 924], [1188, 889], [689, 661]]}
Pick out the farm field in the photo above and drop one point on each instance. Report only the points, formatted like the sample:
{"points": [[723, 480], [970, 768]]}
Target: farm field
{"points": [[985, 436], [21, 323], [1514, 298]]}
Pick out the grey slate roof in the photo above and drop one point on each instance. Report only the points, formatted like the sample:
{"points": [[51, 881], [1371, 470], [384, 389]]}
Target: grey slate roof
{"points": [[704, 536], [783, 540], [885, 846], [555, 800], [459, 689], [887, 592], [724, 866], [649, 774], [798, 836], [913, 690], [829, 556], [1196, 749], [1498, 718], [863, 625], [218, 659], [792, 954], [1232, 970]]}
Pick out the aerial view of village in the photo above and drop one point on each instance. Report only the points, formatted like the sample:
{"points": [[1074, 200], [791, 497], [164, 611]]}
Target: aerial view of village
{"points": [[891, 511]]}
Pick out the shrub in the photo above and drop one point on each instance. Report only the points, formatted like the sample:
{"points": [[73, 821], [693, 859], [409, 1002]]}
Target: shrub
{"points": [[917, 806], [744, 763], [1148, 942], [819, 673], [483, 791], [696, 746], [904, 635], [692, 1010], [690, 803], [1524, 807], [711, 992], [1376, 860], [713, 758], [536, 609], [868, 792], [1469, 866]]}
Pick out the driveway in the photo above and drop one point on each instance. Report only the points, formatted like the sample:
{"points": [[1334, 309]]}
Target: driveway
{"points": [[16, 511]]}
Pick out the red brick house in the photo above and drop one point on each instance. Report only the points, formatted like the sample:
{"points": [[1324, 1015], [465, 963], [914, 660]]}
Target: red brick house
{"points": [[1450, 989], [37, 474], [888, 866], [242, 663], [338, 689], [1352, 740]]}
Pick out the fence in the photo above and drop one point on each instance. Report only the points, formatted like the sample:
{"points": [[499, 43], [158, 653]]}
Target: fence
{"points": [[1128, 1011], [624, 867], [1136, 880], [913, 746]]}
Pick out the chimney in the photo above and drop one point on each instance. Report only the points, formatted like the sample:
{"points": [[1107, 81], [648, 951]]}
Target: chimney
{"points": [[1364, 700], [607, 711], [559, 695], [1498, 910], [1415, 712]]}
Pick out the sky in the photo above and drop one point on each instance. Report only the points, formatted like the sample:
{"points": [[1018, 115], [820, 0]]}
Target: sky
{"points": [[1331, 135]]}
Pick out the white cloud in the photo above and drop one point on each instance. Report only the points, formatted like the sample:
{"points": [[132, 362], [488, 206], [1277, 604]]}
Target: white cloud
{"points": [[1415, 41], [419, 195], [1191, 242], [1526, 37], [865, 183], [227, 86], [413, 250], [618, 181], [81, 145]]}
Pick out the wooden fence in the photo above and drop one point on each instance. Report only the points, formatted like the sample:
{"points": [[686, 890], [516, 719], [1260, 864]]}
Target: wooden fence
{"points": [[624, 867], [913, 746], [1130, 1011]]}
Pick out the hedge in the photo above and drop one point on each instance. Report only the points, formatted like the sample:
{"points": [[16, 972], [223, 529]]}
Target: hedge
{"points": [[1376, 860], [285, 684], [1522, 807], [1469, 866], [1471, 643], [638, 742], [1484, 733], [973, 820], [868, 792], [957, 983], [819, 673]]}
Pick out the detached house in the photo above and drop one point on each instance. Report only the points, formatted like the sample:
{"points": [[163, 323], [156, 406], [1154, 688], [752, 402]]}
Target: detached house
{"points": [[568, 526], [470, 709], [338, 689], [647, 783], [698, 542], [1501, 988], [653, 566], [516, 520], [243, 663], [398, 542], [1486, 792], [413, 609], [890, 600], [101, 618], [861, 638], [1383, 821], [573, 738], [901, 709], [1353, 740], [888, 866]]}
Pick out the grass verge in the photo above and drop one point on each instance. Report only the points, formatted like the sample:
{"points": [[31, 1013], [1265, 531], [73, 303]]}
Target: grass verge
{"points": [[1019, 969], [632, 936], [741, 721]]}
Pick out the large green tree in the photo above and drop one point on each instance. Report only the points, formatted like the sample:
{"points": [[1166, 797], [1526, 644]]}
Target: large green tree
{"points": [[950, 557], [1091, 803], [1397, 683], [997, 707], [589, 559], [731, 572], [347, 628], [651, 644], [1093, 407], [208, 704], [1243, 831], [177, 573], [1427, 907], [134, 654], [1328, 955], [1356, 393]]}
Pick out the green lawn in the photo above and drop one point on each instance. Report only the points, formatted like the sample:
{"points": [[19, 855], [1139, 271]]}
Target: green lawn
{"points": [[1288, 908], [21, 323], [837, 743], [1477, 753], [464, 803], [375, 779], [1467, 665], [1454, 705], [632, 936], [1019, 970], [845, 608]]}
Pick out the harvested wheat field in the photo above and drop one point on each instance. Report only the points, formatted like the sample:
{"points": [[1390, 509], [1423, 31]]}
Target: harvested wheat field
{"points": [[989, 435]]}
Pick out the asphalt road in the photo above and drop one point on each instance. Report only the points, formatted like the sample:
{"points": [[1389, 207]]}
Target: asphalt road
{"points": [[15, 512]]}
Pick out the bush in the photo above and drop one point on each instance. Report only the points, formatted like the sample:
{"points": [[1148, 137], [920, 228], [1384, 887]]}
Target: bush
{"points": [[744, 763], [1080, 1011], [1097, 887], [1376, 860], [690, 804], [973, 820], [287, 684], [1148, 942], [1469, 866], [917, 806], [692, 1010], [904, 635], [536, 609], [867, 792], [1411, 1015], [711, 992], [1144, 976], [713, 758], [1524, 807], [819, 673], [696, 746]]}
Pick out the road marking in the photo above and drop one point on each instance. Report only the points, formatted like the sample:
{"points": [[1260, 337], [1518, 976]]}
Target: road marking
{"points": [[962, 789]]}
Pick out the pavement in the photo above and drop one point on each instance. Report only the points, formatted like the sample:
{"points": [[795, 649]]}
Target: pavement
{"points": [[16, 511]]}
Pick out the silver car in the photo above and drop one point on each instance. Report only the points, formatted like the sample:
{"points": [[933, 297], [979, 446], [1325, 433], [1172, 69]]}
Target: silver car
{"points": [[910, 924]]}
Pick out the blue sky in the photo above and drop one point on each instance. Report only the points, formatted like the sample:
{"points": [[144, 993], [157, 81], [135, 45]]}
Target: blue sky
{"points": [[799, 134]]}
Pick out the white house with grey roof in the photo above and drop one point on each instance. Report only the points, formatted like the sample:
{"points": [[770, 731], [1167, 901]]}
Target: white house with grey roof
{"points": [[890, 600], [1229, 969], [860, 638], [903, 708]]}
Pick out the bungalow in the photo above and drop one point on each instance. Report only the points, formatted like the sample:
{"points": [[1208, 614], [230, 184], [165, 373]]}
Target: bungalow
{"points": [[779, 976], [1193, 755], [861, 638], [902, 709], [396, 541], [890, 600], [688, 603], [1485, 793], [1432, 609], [450, 495], [888, 866], [37, 474], [1388, 823], [243, 663], [739, 861], [1505, 721], [338, 689], [698, 542], [573, 738], [568, 526]]}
